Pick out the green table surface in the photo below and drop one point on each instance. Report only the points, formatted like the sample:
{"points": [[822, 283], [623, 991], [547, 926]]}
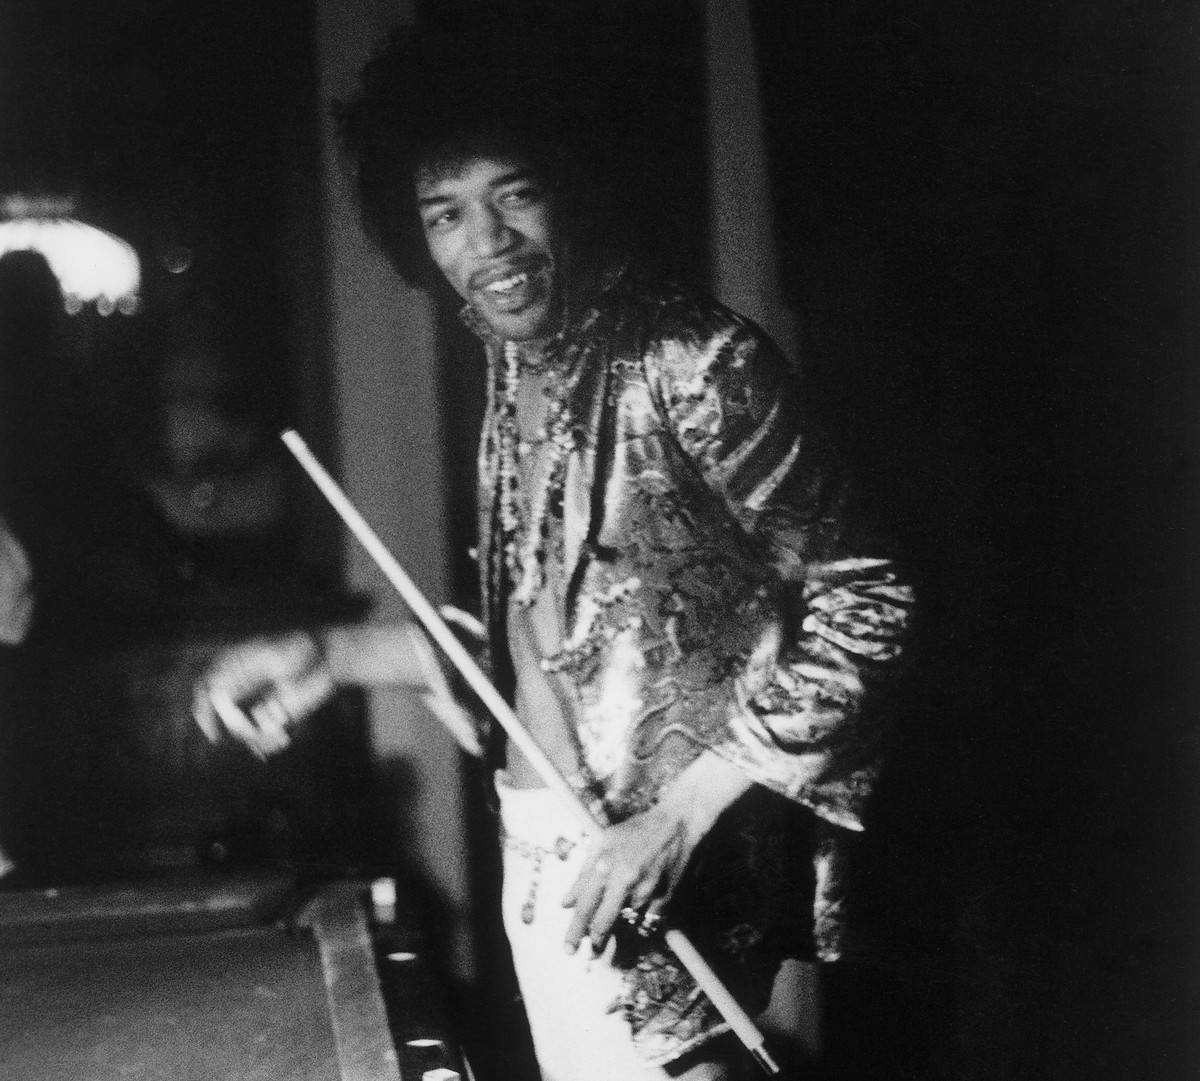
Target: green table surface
{"points": [[192, 981]]}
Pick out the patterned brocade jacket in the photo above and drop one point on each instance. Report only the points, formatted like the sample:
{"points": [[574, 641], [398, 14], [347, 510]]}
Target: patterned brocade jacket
{"points": [[716, 589]]}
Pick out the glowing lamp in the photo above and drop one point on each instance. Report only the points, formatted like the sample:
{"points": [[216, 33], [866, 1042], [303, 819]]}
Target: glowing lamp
{"points": [[91, 265]]}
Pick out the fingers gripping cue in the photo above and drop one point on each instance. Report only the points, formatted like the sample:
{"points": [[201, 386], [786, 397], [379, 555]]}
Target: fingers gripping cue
{"points": [[709, 982]]}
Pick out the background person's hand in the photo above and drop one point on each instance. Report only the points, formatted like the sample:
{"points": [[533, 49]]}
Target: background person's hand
{"points": [[255, 690]]}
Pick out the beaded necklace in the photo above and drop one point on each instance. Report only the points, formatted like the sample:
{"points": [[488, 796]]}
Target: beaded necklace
{"points": [[525, 503]]}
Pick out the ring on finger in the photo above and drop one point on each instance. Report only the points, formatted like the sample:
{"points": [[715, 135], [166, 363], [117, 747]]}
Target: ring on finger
{"points": [[649, 923], [646, 923]]}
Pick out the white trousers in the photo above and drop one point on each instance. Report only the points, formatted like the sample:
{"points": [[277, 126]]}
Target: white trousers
{"points": [[569, 999]]}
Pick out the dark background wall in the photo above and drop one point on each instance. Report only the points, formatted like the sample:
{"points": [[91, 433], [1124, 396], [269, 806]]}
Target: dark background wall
{"points": [[987, 229]]}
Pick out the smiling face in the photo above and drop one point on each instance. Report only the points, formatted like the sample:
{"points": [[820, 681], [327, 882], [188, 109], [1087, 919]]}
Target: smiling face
{"points": [[489, 225]]}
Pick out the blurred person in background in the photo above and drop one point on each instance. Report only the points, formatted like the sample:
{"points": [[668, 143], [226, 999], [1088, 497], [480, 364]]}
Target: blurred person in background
{"points": [[16, 614]]}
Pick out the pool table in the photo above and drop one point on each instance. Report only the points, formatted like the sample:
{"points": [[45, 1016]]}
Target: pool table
{"points": [[247, 977]]}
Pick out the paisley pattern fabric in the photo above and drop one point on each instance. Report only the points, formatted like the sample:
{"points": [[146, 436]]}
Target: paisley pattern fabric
{"points": [[716, 588]]}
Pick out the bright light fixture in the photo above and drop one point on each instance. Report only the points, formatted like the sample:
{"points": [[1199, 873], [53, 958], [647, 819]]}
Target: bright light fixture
{"points": [[91, 265]]}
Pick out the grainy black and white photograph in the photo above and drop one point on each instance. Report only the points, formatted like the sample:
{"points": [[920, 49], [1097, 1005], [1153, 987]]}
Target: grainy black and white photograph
{"points": [[599, 540]]}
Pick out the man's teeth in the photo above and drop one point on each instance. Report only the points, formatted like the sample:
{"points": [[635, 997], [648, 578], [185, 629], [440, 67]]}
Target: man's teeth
{"points": [[505, 285]]}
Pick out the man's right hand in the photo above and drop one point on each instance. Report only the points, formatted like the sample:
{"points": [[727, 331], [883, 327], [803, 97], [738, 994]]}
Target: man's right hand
{"points": [[255, 690]]}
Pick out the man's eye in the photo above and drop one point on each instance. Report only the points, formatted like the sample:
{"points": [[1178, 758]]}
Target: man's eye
{"points": [[444, 220], [521, 196]]}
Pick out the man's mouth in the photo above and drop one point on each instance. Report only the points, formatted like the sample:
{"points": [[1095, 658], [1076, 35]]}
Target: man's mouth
{"points": [[512, 289], [506, 286]]}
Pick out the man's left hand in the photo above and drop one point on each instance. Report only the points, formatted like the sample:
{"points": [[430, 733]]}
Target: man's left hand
{"points": [[637, 864]]}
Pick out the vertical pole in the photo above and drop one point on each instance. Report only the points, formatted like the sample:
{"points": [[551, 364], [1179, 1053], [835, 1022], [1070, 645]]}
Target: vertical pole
{"points": [[741, 218], [384, 346], [746, 277]]}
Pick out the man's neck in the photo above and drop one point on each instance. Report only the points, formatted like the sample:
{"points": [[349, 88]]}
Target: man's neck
{"points": [[531, 354]]}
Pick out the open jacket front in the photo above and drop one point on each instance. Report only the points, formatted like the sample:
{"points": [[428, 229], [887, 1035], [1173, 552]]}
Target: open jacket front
{"points": [[715, 583]]}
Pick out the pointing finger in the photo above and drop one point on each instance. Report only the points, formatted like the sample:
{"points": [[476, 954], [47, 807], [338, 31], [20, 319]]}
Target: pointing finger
{"points": [[203, 715], [239, 725]]}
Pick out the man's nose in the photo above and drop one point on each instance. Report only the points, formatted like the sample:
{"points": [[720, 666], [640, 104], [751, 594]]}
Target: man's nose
{"points": [[490, 233]]}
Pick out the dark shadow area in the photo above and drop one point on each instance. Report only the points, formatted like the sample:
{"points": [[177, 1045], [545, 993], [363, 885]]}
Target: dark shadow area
{"points": [[987, 219]]}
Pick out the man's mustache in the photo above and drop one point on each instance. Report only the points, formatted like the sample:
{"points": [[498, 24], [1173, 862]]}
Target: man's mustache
{"points": [[517, 264]]}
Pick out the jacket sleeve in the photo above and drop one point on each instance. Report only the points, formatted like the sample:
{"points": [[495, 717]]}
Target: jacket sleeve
{"points": [[809, 709]]}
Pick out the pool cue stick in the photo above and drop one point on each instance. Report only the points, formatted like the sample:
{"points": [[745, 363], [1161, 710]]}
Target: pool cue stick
{"points": [[708, 981]]}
